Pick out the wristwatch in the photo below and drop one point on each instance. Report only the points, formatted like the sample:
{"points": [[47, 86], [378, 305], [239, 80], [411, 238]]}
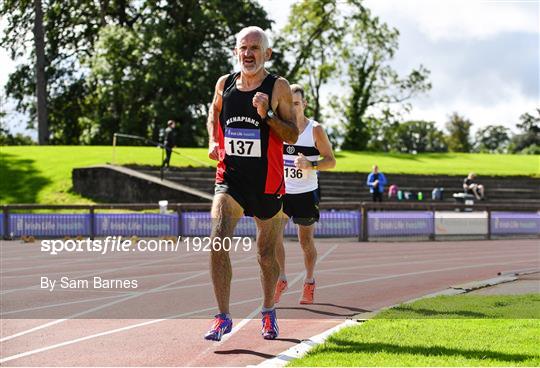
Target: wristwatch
{"points": [[315, 165], [269, 115]]}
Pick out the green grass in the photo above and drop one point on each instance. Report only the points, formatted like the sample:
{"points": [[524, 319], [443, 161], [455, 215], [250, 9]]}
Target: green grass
{"points": [[34, 174], [467, 306], [440, 163], [444, 331]]}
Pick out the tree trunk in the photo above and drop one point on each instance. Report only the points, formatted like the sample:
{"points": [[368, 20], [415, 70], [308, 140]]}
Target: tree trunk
{"points": [[41, 81]]}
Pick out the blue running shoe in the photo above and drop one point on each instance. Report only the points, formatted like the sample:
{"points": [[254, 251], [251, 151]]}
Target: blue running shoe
{"points": [[270, 328], [222, 325]]}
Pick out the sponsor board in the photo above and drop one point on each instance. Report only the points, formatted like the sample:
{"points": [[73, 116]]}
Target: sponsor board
{"points": [[49, 225], [507, 223], [331, 223], [143, 225], [400, 223], [461, 223]]}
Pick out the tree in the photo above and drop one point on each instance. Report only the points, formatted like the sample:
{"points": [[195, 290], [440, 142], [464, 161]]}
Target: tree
{"points": [[374, 84], [128, 65], [41, 80], [493, 139], [458, 138], [70, 30], [340, 41], [528, 141], [417, 137], [302, 48], [3, 112], [381, 133], [389, 135], [8, 139], [118, 101]]}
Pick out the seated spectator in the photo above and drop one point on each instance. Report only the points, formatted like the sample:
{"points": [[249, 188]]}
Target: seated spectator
{"points": [[376, 182], [472, 187], [392, 191]]}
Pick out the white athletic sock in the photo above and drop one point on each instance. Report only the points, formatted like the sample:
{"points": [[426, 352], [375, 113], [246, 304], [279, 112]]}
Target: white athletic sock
{"points": [[283, 277], [309, 281], [264, 309]]}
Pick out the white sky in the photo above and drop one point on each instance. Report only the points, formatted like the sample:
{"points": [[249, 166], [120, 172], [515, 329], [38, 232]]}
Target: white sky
{"points": [[484, 56]]}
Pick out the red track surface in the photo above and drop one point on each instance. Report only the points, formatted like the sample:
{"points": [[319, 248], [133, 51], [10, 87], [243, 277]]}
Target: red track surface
{"points": [[119, 328]]}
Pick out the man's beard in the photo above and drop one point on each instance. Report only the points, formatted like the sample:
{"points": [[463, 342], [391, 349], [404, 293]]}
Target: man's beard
{"points": [[250, 71]]}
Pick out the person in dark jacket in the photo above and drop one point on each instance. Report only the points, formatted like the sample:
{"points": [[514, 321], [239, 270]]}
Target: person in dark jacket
{"points": [[170, 142]]}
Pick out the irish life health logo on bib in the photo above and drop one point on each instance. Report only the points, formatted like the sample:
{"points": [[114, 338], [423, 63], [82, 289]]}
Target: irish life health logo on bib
{"points": [[243, 142]]}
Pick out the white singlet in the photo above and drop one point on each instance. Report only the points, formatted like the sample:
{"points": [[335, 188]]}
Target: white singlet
{"points": [[298, 180]]}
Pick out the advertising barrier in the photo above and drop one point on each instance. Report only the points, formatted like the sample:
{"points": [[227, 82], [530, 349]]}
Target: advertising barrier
{"points": [[400, 223], [333, 223], [49, 225], [510, 223], [461, 223]]}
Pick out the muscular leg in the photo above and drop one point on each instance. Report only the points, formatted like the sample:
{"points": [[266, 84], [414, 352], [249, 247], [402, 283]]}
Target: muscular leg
{"points": [[225, 214], [280, 250], [267, 238], [305, 236]]}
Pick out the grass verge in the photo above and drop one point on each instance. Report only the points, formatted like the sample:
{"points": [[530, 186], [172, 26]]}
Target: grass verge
{"points": [[463, 330]]}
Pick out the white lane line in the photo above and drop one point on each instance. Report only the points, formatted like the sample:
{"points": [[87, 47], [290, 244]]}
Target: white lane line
{"points": [[135, 295], [118, 296], [205, 264], [58, 321], [387, 277], [3, 314], [56, 263], [239, 326], [129, 327], [340, 270], [78, 271], [299, 277], [109, 270], [302, 348], [407, 262], [127, 293], [121, 329]]}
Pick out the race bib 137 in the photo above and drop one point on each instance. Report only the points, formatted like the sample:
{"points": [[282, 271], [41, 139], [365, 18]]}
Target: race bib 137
{"points": [[243, 142]]}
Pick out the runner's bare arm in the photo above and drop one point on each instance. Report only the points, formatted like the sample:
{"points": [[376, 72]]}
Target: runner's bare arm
{"points": [[324, 146], [284, 122], [212, 124]]}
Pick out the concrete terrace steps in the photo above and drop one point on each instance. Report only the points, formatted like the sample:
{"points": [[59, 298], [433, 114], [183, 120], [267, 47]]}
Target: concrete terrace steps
{"points": [[346, 186], [426, 182], [117, 184]]}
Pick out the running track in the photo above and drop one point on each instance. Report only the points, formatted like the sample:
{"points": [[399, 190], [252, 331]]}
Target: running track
{"points": [[127, 328]]}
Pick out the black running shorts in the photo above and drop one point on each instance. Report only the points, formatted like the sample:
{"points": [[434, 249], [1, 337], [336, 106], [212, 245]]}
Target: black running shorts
{"points": [[263, 206], [303, 208]]}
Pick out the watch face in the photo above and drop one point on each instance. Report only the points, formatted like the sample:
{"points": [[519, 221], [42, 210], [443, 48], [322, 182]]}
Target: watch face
{"points": [[270, 114]]}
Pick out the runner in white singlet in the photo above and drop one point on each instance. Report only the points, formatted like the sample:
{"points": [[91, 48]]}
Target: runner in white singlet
{"points": [[310, 153]]}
